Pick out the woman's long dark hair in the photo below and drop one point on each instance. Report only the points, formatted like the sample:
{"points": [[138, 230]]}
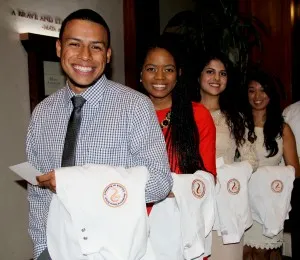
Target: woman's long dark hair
{"points": [[228, 100], [273, 126], [182, 136]]}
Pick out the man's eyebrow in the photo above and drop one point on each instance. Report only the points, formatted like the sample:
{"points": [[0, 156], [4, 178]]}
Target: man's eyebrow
{"points": [[99, 42], [79, 40], [72, 38]]}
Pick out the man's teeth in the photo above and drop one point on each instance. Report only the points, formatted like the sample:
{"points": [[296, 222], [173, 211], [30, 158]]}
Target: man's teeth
{"points": [[83, 69]]}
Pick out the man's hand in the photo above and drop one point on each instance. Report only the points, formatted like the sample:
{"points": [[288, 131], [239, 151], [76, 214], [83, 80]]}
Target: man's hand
{"points": [[171, 195], [47, 180]]}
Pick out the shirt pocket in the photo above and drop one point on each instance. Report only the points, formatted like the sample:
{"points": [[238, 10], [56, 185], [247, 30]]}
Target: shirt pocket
{"points": [[107, 144]]}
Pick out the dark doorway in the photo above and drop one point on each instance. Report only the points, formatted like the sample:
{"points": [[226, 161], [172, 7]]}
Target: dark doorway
{"points": [[141, 26], [296, 53]]}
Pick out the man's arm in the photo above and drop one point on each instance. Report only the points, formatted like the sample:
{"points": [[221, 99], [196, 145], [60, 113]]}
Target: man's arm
{"points": [[148, 148], [39, 200]]}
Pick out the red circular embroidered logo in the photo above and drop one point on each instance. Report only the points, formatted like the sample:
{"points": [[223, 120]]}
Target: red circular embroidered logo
{"points": [[115, 195], [198, 188], [277, 186], [233, 186]]}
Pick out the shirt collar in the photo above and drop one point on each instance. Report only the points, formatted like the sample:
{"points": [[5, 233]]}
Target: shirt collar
{"points": [[92, 95]]}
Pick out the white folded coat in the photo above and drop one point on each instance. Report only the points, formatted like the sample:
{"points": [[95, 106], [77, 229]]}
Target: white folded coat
{"points": [[270, 189], [233, 209], [178, 226], [99, 213]]}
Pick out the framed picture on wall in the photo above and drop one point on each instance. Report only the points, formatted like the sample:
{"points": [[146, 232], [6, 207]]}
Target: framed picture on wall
{"points": [[54, 79]]}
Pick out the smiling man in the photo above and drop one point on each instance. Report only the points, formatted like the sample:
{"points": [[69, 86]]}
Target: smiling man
{"points": [[91, 120]]}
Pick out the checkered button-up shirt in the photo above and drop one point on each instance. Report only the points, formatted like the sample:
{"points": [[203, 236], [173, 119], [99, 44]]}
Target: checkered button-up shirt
{"points": [[119, 128]]}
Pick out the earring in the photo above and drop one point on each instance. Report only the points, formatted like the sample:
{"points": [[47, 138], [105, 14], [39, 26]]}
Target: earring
{"points": [[140, 80]]}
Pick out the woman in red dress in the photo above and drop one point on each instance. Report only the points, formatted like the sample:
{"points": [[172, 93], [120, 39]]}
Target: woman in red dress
{"points": [[188, 127]]}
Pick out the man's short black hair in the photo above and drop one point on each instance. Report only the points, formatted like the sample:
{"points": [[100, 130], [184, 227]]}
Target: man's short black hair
{"points": [[86, 15]]}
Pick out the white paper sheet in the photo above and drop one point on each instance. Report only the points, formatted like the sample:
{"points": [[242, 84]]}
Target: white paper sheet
{"points": [[26, 171]]}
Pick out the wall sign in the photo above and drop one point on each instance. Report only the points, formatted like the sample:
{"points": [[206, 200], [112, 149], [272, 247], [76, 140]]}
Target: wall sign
{"points": [[34, 22]]}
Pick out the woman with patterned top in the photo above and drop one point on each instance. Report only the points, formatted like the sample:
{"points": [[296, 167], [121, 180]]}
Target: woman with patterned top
{"points": [[218, 96], [273, 140]]}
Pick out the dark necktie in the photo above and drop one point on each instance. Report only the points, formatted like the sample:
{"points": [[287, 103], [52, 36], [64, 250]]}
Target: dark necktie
{"points": [[69, 153]]}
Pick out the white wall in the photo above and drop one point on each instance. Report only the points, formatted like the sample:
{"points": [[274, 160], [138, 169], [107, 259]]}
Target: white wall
{"points": [[14, 108], [168, 8]]}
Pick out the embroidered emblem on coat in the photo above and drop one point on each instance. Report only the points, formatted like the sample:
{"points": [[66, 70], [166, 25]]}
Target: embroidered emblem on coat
{"points": [[233, 186], [115, 195], [277, 186], [198, 188]]}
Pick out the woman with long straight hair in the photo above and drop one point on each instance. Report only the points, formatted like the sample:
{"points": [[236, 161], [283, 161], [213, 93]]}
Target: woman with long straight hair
{"points": [[274, 141]]}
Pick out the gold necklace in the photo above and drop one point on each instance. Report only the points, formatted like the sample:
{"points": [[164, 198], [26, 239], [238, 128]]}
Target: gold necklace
{"points": [[166, 122]]}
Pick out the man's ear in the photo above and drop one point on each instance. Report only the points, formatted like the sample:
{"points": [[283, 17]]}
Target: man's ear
{"points": [[58, 48], [108, 55]]}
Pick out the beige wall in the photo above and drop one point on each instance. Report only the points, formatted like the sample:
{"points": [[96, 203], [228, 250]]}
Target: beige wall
{"points": [[14, 109], [168, 8]]}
